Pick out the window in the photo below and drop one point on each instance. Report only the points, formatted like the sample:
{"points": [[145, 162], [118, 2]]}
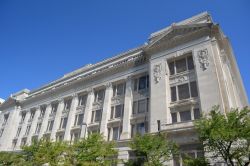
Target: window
{"points": [[38, 128], [67, 104], [173, 94], [119, 89], [78, 119], [43, 109], [82, 99], [174, 117], [96, 116], [6, 117], [197, 114], [23, 114], [99, 95], [24, 142], [14, 142], [117, 111], [1, 132], [183, 91], [63, 123], [190, 62], [60, 137], [139, 128], [27, 130], [140, 106], [193, 88], [75, 136], [181, 65], [50, 125], [32, 114], [18, 131], [54, 108], [141, 83], [185, 116], [115, 132]]}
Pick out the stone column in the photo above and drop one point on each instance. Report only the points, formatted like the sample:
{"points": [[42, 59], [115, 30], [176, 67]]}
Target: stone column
{"points": [[106, 109], [45, 121], [71, 117], [23, 129], [126, 130], [57, 120], [87, 113], [33, 125]]}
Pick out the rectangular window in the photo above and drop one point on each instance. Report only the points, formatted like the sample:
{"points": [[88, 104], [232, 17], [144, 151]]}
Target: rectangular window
{"points": [[174, 117], [193, 87], [190, 62], [38, 128], [98, 115], [99, 95], [115, 133], [6, 117], [42, 110], [67, 104], [32, 114], [142, 106], [112, 112], [82, 99], [54, 108], [1, 132], [135, 84], [173, 94], [171, 68], [181, 65], [118, 111], [135, 106], [185, 116], [92, 116], [65, 120], [23, 117], [18, 131], [119, 89], [27, 130], [142, 83], [197, 114], [109, 132], [50, 125], [183, 91], [80, 119], [141, 129]]}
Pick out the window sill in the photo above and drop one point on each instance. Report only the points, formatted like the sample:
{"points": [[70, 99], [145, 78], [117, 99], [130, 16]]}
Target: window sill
{"points": [[179, 126], [192, 100], [181, 73]]}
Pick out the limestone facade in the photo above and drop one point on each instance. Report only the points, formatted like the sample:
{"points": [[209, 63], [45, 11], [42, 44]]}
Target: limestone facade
{"points": [[182, 71]]}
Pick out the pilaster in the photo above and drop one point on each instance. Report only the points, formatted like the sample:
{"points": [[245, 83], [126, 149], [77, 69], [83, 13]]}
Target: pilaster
{"points": [[87, 113], [33, 126], [45, 121], [128, 101], [106, 109], [71, 117], [23, 129], [57, 119]]}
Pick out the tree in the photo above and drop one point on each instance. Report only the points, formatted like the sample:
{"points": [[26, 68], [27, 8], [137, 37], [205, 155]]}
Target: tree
{"points": [[94, 150], [226, 135], [10, 158], [44, 151], [152, 150]]}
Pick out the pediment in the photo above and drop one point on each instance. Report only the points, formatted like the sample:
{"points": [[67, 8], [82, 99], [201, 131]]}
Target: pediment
{"points": [[175, 32]]}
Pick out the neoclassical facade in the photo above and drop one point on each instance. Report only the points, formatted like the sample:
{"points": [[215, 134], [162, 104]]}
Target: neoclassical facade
{"points": [[164, 85]]}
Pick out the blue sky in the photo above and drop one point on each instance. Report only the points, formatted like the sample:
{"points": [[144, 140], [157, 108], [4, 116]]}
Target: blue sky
{"points": [[40, 41]]}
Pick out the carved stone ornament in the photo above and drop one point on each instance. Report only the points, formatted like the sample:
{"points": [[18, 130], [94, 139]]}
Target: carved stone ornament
{"points": [[203, 59], [157, 73]]}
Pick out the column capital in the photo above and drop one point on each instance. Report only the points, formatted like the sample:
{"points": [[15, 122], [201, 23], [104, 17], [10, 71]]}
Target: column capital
{"points": [[108, 85]]}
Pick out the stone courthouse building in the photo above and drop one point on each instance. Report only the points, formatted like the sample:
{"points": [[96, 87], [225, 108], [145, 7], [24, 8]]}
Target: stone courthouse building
{"points": [[182, 71]]}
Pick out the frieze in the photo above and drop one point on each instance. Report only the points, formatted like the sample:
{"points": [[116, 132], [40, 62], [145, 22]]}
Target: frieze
{"points": [[203, 59]]}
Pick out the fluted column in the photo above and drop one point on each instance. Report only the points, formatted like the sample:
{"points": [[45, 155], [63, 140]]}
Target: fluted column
{"points": [[33, 125], [45, 121], [57, 120], [106, 109], [126, 130], [87, 113], [71, 117]]}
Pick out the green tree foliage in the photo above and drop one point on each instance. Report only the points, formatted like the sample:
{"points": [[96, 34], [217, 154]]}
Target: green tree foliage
{"points": [[152, 150], [94, 150], [10, 158], [43, 151], [226, 135]]}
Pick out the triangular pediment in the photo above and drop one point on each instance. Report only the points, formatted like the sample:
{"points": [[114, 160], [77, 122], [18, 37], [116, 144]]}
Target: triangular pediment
{"points": [[176, 31]]}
